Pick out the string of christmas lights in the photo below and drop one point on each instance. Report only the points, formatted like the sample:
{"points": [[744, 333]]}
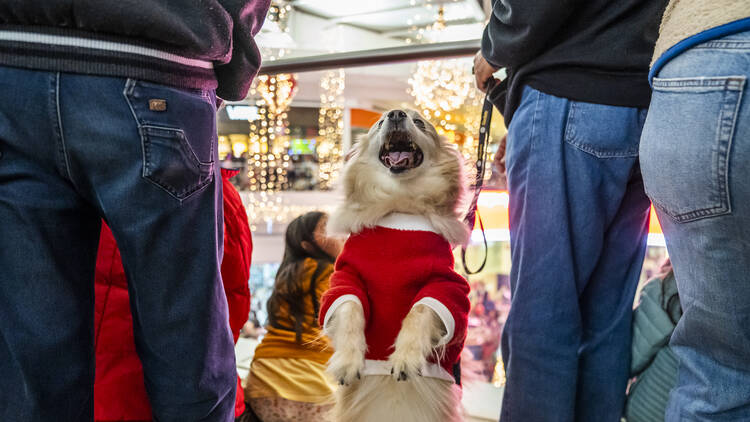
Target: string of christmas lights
{"points": [[279, 13], [269, 135], [444, 92], [330, 127]]}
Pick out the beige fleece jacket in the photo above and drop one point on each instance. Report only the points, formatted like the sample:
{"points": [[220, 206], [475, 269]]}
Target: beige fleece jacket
{"points": [[685, 18]]}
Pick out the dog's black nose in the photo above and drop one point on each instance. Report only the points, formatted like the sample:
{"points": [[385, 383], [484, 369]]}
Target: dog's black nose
{"points": [[396, 115]]}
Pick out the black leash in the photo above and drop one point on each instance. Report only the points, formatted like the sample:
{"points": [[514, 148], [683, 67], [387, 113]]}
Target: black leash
{"points": [[473, 214]]}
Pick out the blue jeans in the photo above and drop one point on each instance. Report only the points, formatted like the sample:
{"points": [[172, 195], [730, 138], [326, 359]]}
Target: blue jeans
{"points": [[696, 166], [578, 226], [77, 148]]}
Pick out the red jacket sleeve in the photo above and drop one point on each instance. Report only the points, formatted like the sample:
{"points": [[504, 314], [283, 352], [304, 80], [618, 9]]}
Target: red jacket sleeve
{"points": [[447, 295], [345, 283], [238, 249]]}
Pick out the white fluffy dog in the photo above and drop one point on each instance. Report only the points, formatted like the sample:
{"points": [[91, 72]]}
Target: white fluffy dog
{"points": [[396, 311]]}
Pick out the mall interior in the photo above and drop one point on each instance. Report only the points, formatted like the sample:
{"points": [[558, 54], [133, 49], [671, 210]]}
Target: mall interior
{"points": [[330, 69]]}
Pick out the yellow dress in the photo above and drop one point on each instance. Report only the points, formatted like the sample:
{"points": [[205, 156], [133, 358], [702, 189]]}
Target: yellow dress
{"points": [[294, 371]]}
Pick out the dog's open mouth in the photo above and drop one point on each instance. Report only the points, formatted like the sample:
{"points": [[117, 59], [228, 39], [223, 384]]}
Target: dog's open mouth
{"points": [[400, 153]]}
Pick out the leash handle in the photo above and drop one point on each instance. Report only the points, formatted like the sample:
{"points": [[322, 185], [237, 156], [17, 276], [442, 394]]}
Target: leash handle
{"points": [[472, 214]]}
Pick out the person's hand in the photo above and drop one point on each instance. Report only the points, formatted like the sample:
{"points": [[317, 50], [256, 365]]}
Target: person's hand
{"points": [[482, 71]]}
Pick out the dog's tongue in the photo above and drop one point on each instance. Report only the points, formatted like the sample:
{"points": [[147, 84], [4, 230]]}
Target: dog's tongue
{"points": [[398, 159]]}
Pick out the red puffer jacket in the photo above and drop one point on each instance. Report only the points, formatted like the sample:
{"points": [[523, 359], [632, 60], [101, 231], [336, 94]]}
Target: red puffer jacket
{"points": [[119, 391]]}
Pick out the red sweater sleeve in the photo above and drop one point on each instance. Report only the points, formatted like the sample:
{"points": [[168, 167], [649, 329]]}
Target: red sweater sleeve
{"points": [[447, 295], [345, 281]]}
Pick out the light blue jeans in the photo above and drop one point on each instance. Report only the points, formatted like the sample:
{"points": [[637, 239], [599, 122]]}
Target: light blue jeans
{"points": [[578, 226], [695, 158]]}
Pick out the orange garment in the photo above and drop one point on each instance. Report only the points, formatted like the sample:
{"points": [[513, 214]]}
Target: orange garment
{"points": [[281, 342]]}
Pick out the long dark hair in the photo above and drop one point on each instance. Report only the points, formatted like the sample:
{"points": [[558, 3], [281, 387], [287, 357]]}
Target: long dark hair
{"points": [[288, 287]]}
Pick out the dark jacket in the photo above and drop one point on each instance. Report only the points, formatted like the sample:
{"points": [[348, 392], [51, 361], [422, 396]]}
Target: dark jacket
{"points": [[596, 51], [200, 44]]}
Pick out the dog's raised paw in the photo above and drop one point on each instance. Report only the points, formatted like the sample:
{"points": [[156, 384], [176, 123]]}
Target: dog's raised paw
{"points": [[342, 381], [406, 365], [402, 375], [346, 366]]}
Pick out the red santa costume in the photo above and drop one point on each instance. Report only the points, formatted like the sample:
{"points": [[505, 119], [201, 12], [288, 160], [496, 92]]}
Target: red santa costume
{"points": [[388, 269]]}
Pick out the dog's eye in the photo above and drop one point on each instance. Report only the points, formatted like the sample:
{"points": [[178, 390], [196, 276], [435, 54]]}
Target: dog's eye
{"points": [[420, 124], [380, 123]]}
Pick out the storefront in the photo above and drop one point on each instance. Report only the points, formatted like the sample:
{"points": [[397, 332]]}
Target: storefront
{"points": [[330, 71]]}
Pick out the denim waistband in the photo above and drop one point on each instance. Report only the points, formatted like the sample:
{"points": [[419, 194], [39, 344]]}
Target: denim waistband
{"points": [[709, 37]]}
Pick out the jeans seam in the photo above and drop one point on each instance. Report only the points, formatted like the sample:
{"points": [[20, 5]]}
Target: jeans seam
{"points": [[533, 122], [732, 113], [732, 83], [569, 126], [725, 45], [58, 127], [126, 92]]}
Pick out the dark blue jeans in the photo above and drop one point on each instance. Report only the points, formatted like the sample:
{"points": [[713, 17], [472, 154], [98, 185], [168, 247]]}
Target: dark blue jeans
{"points": [[74, 149], [578, 226]]}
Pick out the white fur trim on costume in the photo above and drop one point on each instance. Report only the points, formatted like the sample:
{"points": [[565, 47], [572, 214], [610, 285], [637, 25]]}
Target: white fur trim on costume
{"points": [[383, 367], [412, 222], [444, 314], [336, 303]]}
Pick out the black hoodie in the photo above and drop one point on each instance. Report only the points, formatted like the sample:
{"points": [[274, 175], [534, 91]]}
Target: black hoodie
{"points": [[595, 51], [204, 44]]}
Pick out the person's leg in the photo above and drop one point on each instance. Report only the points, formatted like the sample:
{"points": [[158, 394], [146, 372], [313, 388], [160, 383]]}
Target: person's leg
{"points": [[570, 168], [48, 242], [152, 170], [695, 153], [607, 309]]}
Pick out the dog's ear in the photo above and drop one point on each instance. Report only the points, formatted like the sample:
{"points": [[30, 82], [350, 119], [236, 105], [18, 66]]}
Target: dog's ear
{"points": [[353, 151], [356, 148], [443, 142], [461, 176]]}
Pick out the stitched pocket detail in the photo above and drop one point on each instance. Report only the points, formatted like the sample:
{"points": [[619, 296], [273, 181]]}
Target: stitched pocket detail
{"points": [[697, 117], [177, 139], [170, 162], [601, 130]]}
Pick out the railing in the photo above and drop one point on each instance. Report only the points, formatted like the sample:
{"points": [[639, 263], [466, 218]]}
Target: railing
{"points": [[372, 57]]}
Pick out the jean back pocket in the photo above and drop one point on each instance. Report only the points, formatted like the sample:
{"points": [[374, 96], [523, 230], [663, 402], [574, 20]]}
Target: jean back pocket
{"points": [[170, 162], [603, 131], [687, 141], [178, 134]]}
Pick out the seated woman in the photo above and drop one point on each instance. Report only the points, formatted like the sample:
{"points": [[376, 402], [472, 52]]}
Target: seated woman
{"points": [[287, 379]]}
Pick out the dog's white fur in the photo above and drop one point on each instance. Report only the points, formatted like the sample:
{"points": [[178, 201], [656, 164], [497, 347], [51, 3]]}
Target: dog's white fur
{"points": [[378, 398], [435, 190], [346, 329]]}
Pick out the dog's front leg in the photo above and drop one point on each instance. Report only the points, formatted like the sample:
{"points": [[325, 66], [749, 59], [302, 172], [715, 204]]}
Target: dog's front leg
{"points": [[346, 329], [420, 334]]}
